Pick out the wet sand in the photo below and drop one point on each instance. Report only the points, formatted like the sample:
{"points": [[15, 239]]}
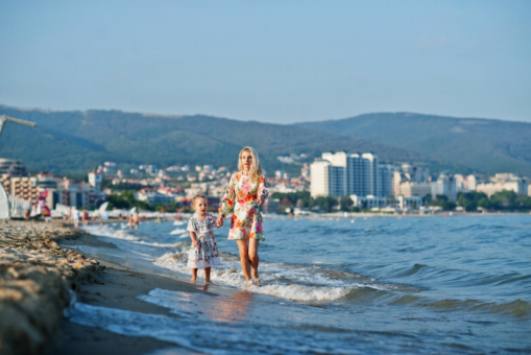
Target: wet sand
{"points": [[116, 287]]}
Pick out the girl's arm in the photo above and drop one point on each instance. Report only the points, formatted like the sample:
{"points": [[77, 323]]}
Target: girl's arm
{"points": [[191, 231], [194, 239]]}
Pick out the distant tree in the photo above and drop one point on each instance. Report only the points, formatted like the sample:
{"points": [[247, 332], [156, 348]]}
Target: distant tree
{"points": [[443, 202], [503, 200], [126, 200], [470, 201], [325, 204], [345, 203], [509, 201], [300, 199]]}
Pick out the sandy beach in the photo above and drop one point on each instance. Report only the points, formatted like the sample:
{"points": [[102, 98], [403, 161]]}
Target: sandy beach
{"points": [[116, 287], [40, 276], [36, 279]]}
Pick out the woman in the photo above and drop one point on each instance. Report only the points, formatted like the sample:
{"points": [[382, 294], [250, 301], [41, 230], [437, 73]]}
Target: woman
{"points": [[243, 199]]}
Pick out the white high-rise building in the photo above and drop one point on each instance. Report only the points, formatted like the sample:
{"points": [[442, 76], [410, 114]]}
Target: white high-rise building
{"points": [[338, 159], [445, 185], [95, 180], [384, 183], [342, 174], [319, 173]]}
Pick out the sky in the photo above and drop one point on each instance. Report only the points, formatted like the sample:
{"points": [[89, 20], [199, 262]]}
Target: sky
{"points": [[272, 61]]}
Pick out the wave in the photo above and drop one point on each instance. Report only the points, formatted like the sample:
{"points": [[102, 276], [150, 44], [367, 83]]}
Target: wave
{"points": [[110, 232], [131, 323], [299, 283], [517, 308], [123, 234], [412, 270], [212, 332], [183, 233]]}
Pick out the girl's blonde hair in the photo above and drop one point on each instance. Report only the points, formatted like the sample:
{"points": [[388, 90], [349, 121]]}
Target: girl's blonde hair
{"points": [[197, 197], [256, 170]]}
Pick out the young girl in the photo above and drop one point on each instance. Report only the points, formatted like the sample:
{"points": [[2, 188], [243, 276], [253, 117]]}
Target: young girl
{"points": [[204, 251]]}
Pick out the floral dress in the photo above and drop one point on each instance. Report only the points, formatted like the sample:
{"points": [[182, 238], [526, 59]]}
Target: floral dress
{"points": [[206, 254], [241, 199]]}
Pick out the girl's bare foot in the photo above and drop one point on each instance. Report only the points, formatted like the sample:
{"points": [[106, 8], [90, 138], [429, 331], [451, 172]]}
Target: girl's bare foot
{"points": [[256, 281], [193, 280]]}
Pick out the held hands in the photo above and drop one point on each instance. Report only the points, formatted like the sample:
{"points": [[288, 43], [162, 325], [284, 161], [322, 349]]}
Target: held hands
{"points": [[219, 221], [195, 243]]}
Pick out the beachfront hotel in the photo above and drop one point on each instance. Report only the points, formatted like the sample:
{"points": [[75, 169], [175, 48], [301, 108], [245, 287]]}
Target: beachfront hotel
{"points": [[342, 174]]}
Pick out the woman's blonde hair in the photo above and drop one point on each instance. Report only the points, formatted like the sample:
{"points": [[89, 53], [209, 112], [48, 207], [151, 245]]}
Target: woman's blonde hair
{"points": [[256, 170]]}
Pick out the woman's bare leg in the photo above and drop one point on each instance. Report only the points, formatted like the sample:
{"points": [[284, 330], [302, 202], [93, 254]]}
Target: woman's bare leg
{"points": [[253, 257], [194, 275], [207, 275], [244, 258]]}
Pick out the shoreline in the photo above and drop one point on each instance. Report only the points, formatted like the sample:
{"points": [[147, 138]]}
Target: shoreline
{"points": [[117, 287], [40, 277], [347, 215], [36, 279]]}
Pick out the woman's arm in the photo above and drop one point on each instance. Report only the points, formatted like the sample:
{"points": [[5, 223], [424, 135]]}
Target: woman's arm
{"points": [[226, 205], [262, 192]]}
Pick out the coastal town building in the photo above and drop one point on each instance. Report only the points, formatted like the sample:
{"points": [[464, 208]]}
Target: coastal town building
{"points": [[95, 180], [412, 188], [24, 187], [342, 174], [504, 181], [445, 185], [465, 183], [53, 190], [12, 167]]}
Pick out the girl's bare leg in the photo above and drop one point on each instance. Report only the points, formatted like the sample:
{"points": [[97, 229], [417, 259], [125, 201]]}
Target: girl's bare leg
{"points": [[207, 275], [194, 275], [253, 257], [244, 258]]}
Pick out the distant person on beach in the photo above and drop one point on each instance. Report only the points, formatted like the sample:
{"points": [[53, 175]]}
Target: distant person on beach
{"points": [[243, 200], [134, 219], [74, 213], [203, 253], [85, 217]]}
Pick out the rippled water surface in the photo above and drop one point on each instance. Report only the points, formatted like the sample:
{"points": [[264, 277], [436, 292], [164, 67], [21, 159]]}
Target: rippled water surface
{"points": [[459, 284]]}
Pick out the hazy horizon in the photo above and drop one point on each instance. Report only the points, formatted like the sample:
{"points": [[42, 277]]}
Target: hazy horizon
{"points": [[276, 62]]}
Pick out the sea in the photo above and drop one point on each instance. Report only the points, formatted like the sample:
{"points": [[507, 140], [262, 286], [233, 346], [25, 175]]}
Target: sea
{"points": [[452, 284]]}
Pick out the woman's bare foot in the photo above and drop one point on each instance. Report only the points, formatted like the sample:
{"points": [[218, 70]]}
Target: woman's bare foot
{"points": [[247, 283], [193, 279], [256, 281]]}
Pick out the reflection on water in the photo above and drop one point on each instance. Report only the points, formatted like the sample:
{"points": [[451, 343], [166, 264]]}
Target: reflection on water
{"points": [[230, 309]]}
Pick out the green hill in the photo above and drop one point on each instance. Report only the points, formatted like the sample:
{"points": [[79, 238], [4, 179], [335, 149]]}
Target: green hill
{"points": [[74, 141], [466, 144]]}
